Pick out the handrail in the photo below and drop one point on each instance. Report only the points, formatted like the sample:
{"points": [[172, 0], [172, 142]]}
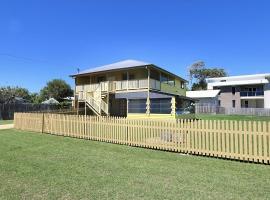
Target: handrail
{"points": [[92, 102], [110, 86], [104, 106], [251, 93], [96, 102]]}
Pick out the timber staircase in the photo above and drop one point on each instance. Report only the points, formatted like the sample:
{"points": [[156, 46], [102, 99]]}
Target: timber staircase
{"points": [[96, 102]]}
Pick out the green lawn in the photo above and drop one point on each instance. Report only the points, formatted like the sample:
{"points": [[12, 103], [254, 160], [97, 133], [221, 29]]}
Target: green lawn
{"points": [[2, 122], [232, 117], [36, 166]]}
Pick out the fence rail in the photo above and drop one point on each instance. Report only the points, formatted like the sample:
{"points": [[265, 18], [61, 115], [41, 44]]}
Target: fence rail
{"points": [[213, 109], [239, 140], [7, 110]]}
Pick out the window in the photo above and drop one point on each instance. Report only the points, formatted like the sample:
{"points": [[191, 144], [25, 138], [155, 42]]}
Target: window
{"points": [[166, 79], [162, 106], [233, 90], [124, 76], [182, 85], [163, 78], [246, 104], [219, 103], [137, 106], [233, 103], [101, 79], [131, 77]]}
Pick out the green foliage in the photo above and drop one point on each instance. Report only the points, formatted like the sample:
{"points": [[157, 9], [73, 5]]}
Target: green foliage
{"points": [[200, 73], [35, 98], [57, 89], [8, 94]]}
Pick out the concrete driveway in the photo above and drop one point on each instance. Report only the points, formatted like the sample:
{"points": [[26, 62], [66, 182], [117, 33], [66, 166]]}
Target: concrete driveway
{"points": [[6, 126]]}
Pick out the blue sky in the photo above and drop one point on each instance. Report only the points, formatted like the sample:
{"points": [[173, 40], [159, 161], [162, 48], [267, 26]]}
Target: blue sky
{"points": [[45, 39]]}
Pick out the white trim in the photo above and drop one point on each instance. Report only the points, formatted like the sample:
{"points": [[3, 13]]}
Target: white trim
{"points": [[258, 97], [241, 77], [239, 82], [202, 93]]}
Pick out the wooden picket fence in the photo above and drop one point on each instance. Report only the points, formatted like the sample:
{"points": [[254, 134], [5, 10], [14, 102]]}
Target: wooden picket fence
{"points": [[240, 140]]}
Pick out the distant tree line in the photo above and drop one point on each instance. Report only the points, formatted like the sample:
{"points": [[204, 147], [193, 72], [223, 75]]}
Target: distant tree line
{"points": [[56, 88]]}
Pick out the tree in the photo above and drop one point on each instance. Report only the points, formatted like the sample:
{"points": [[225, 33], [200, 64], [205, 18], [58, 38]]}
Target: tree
{"points": [[35, 98], [8, 94], [200, 72], [57, 89]]}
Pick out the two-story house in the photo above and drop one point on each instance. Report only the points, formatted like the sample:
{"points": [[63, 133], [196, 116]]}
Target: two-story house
{"points": [[248, 91], [130, 88]]}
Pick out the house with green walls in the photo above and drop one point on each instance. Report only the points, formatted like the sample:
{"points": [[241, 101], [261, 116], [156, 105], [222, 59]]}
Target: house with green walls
{"points": [[132, 89]]}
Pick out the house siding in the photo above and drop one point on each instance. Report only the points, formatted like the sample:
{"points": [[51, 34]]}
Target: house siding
{"points": [[267, 95], [226, 97]]}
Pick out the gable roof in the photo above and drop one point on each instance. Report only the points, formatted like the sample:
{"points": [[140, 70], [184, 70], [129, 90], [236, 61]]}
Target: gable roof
{"points": [[118, 65], [50, 101], [202, 93], [125, 64]]}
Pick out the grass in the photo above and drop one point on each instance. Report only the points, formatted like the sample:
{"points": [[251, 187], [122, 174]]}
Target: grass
{"points": [[232, 117], [3, 122], [36, 166]]}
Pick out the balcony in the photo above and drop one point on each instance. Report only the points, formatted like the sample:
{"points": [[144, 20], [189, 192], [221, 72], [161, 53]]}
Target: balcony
{"points": [[252, 93], [113, 86]]}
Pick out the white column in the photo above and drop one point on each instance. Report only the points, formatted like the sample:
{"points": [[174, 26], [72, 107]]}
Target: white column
{"points": [[173, 106], [127, 79], [267, 95], [148, 93]]}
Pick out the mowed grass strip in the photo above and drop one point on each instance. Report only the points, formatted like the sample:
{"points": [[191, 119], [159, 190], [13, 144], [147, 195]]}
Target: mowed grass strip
{"points": [[40, 166], [232, 117], [4, 122]]}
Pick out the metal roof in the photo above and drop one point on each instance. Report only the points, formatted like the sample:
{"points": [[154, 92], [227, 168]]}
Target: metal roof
{"points": [[125, 64], [118, 65]]}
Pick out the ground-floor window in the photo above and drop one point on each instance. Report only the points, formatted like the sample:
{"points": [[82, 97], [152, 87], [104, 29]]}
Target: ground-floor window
{"points": [[233, 103], [246, 104], [160, 106], [137, 106]]}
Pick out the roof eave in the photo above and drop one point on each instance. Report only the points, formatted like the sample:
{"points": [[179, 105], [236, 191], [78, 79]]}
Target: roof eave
{"points": [[134, 67]]}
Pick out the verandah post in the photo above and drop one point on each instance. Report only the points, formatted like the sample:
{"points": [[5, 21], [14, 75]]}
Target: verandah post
{"points": [[148, 92], [42, 125]]}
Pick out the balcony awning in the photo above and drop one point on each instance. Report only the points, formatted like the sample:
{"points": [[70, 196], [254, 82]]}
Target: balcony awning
{"points": [[141, 95], [153, 95]]}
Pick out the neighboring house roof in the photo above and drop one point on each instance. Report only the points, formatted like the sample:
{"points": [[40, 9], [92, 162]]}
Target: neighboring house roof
{"points": [[20, 100], [51, 101], [125, 64], [241, 77], [69, 98], [238, 80], [202, 94]]}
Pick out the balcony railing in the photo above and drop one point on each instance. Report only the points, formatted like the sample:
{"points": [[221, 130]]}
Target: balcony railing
{"points": [[112, 86], [251, 93]]}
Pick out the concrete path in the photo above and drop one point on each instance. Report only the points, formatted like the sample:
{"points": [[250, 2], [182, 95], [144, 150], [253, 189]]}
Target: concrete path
{"points": [[6, 126]]}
